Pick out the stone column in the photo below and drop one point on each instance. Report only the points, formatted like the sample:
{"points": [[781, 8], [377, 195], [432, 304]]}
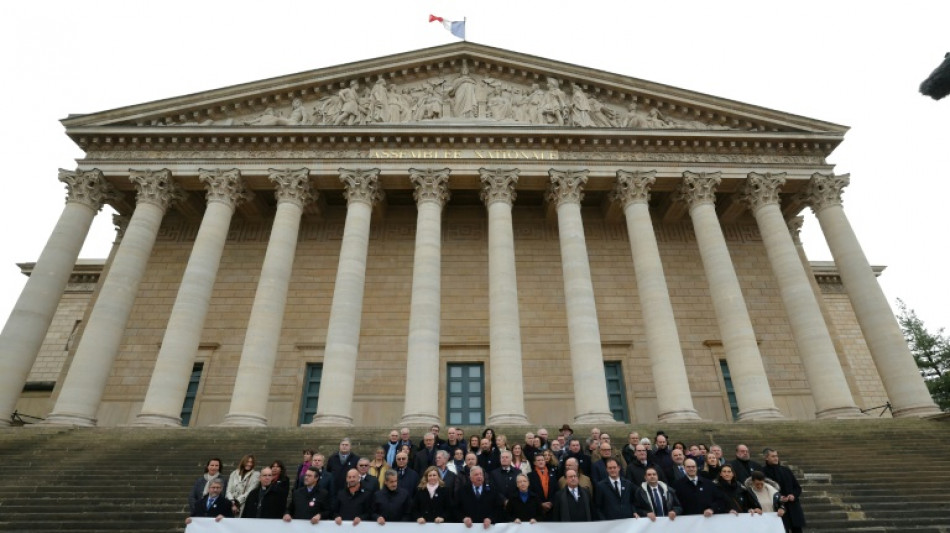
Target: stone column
{"points": [[828, 384], [25, 329], [176, 357], [905, 388], [425, 310], [591, 405], [252, 383], [505, 370], [674, 401], [85, 383], [335, 407], [738, 338]]}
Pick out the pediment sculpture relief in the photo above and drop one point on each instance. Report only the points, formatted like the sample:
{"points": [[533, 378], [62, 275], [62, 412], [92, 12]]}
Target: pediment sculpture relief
{"points": [[464, 98]]}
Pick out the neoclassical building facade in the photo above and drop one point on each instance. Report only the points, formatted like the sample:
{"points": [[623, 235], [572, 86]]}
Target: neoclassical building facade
{"points": [[460, 234]]}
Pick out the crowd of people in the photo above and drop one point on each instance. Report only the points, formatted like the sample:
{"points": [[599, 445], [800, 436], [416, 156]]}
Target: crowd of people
{"points": [[485, 479]]}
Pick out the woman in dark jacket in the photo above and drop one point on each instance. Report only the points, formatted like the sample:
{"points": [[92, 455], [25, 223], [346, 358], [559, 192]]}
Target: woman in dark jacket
{"points": [[432, 501], [524, 505], [738, 498], [710, 468]]}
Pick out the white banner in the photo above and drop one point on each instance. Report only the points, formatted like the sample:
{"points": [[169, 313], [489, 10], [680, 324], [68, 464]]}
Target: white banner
{"points": [[767, 523]]}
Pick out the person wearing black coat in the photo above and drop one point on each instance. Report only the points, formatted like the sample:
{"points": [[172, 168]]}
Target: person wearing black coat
{"points": [[790, 490], [698, 495], [268, 500], [391, 503], [573, 502], [743, 465], [613, 497], [340, 463], [478, 502], [212, 505], [432, 499], [523, 505], [654, 498], [308, 501], [738, 499], [353, 502]]}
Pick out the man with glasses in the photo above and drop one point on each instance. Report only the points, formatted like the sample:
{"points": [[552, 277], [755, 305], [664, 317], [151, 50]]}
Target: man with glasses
{"points": [[637, 468], [265, 501], [743, 465], [367, 480], [408, 478], [698, 495]]}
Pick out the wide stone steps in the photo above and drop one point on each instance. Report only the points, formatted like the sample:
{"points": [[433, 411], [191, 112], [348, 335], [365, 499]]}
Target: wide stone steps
{"points": [[886, 475]]}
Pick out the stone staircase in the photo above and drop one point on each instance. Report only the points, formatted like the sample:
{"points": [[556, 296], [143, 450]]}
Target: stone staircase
{"points": [[879, 475]]}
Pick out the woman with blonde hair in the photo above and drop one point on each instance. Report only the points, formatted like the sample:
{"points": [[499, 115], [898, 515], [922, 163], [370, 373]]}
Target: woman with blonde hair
{"points": [[242, 481], [432, 501]]}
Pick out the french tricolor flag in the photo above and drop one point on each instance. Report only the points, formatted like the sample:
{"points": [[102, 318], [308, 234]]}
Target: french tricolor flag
{"points": [[456, 27]]}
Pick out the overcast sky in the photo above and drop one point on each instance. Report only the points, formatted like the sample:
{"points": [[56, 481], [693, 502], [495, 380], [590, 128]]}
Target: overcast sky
{"points": [[845, 62]]}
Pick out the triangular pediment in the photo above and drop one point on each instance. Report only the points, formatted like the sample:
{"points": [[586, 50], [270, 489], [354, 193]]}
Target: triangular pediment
{"points": [[461, 84]]}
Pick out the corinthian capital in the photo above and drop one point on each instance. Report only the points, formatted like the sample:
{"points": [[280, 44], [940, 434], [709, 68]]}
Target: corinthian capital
{"points": [[87, 187], [431, 185], [567, 186], [292, 185], [498, 185], [762, 189], [824, 190], [156, 187], [361, 185], [633, 187], [224, 186], [699, 187]]}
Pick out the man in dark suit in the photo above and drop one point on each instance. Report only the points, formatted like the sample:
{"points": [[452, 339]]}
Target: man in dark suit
{"points": [[504, 478], [743, 465], [789, 489], [342, 462], [573, 503], [613, 497], [697, 494], [598, 471], [268, 500], [408, 478], [636, 468], [367, 480], [543, 483], [654, 498], [353, 502], [212, 504], [425, 457], [308, 501], [478, 502]]}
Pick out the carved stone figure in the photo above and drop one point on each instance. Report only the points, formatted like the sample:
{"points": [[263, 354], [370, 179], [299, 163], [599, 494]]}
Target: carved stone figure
{"points": [[554, 105], [499, 104], [580, 107], [462, 92], [350, 109], [379, 102]]}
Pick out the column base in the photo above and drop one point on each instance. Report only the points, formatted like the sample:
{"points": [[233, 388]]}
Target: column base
{"points": [[238, 420], [682, 415], [840, 413], [67, 419], [156, 421], [918, 411], [754, 415], [330, 421], [595, 418], [419, 419], [507, 419]]}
